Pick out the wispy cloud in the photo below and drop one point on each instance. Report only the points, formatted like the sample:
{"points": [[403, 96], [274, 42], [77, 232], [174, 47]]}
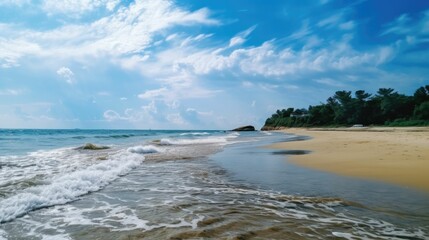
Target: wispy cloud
{"points": [[240, 38], [11, 51], [304, 31], [14, 2], [270, 60], [127, 31], [77, 7], [11, 92], [330, 82], [406, 26], [330, 21]]}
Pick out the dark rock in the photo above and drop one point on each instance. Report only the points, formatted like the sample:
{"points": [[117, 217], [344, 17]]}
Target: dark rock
{"points": [[90, 146], [244, 128], [291, 152]]}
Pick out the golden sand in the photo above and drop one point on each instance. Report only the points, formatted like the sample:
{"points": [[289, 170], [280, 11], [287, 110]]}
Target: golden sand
{"points": [[394, 155]]}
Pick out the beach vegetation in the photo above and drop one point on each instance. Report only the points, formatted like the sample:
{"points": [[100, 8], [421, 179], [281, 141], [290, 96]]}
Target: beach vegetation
{"points": [[385, 108]]}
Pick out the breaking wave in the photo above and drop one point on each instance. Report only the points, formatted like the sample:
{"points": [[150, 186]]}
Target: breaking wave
{"points": [[195, 134], [144, 149], [68, 187]]}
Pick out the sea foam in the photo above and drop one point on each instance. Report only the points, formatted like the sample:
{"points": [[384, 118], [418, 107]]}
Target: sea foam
{"points": [[205, 140], [195, 134], [69, 187], [144, 149]]}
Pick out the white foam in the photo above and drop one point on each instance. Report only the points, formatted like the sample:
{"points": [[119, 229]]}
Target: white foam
{"points": [[168, 141], [3, 234], [36, 167], [66, 188], [206, 140], [144, 149], [343, 235], [56, 237], [195, 134]]}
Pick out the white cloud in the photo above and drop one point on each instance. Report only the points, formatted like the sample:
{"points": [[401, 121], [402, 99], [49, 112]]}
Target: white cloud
{"points": [[305, 30], [385, 54], [329, 82], [66, 74], [154, 94], [34, 114], [267, 86], [247, 84], [111, 4], [313, 41], [330, 21], [103, 93], [193, 39], [174, 104], [412, 31], [127, 32], [150, 108], [123, 99], [291, 87], [76, 7], [177, 86], [270, 60], [111, 115], [18, 3], [175, 118], [240, 38], [236, 41], [12, 50], [399, 26], [130, 115], [347, 25], [199, 113], [10, 92]]}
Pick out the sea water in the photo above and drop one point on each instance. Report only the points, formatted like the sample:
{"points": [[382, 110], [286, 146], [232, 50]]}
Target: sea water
{"points": [[187, 185]]}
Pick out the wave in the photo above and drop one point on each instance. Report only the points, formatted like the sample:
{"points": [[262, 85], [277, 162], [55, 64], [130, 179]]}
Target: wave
{"points": [[144, 149], [191, 141], [78, 137], [213, 140], [116, 136], [195, 134], [69, 187]]}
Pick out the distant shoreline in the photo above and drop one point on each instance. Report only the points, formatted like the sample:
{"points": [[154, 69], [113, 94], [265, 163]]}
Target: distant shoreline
{"points": [[398, 155]]}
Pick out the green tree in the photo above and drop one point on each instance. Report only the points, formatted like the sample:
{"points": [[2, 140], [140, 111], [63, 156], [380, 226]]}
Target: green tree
{"points": [[360, 109], [343, 110], [421, 95], [394, 105], [321, 115], [421, 112], [386, 107]]}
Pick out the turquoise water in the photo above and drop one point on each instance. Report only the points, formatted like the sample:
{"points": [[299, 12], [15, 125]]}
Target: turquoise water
{"points": [[21, 141], [187, 185]]}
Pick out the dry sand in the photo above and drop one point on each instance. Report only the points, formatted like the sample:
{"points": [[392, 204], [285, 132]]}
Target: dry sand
{"points": [[394, 155]]}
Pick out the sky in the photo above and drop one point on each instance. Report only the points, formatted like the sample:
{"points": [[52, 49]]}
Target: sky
{"points": [[199, 64]]}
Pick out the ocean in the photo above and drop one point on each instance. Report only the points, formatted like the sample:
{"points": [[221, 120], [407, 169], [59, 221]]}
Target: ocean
{"points": [[166, 184]]}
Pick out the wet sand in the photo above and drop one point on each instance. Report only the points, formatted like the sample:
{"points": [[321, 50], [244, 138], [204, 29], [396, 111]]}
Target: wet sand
{"points": [[394, 155]]}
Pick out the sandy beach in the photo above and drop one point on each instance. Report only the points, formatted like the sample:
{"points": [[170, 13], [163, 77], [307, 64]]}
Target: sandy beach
{"points": [[394, 155]]}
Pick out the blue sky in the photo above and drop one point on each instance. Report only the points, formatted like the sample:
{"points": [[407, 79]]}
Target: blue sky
{"points": [[157, 64]]}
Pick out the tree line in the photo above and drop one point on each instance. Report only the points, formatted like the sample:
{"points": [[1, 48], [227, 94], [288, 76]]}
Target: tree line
{"points": [[387, 107]]}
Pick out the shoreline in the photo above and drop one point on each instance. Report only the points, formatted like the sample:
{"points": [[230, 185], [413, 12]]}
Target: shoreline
{"points": [[393, 155]]}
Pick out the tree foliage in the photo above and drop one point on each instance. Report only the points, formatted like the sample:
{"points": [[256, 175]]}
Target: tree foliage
{"points": [[386, 107]]}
